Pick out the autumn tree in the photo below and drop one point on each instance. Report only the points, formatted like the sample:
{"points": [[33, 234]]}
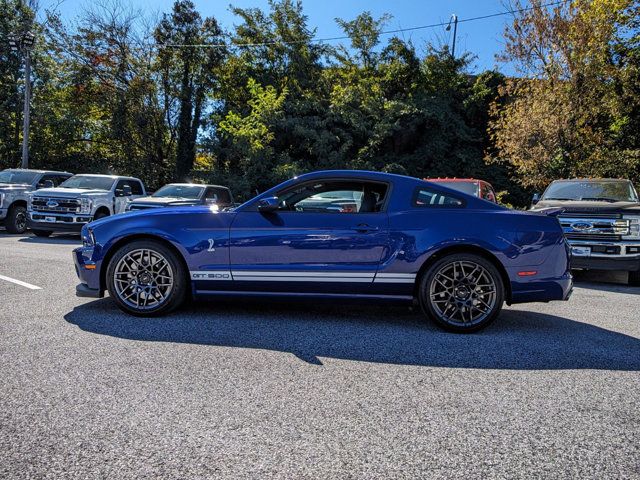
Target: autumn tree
{"points": [[575, 109]]}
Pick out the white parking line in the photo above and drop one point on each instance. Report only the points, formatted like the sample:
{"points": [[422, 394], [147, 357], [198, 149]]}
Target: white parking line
{"points": [[20, 282]]}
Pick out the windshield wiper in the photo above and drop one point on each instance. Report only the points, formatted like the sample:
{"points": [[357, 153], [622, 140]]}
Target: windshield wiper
{"points": [[600, 199]]}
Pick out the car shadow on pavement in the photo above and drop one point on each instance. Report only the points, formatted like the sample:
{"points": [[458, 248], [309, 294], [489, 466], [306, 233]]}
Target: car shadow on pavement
{"points": [[519, 339], [64, 239]]}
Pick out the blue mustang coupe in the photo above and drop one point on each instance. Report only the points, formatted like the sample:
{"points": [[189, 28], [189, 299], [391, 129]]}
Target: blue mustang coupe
{"points": [[333, 235]]}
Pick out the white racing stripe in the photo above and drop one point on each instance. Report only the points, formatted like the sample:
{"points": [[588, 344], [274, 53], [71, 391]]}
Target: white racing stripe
{"points": [[298, 276], [20, 282]]}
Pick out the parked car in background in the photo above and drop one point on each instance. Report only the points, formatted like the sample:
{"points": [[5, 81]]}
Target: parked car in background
{"points": [[601, 220], [184, 194], [15, 185], [470, 186], [409, 240], [79, 200]]}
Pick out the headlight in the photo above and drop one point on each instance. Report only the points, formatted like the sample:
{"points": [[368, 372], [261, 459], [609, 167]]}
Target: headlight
{"points": [[85, 205], [634, 227], [88, 240]]}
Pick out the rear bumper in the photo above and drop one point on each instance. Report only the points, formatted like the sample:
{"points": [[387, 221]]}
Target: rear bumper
{"points": [[542, 290]]}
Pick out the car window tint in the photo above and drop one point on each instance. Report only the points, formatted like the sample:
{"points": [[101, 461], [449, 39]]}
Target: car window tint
{"points": [[335, 197], [219, 195], [136, 188], [426, 197]]}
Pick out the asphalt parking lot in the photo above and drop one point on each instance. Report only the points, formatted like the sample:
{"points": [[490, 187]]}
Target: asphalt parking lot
{"points": [[259, 390]]}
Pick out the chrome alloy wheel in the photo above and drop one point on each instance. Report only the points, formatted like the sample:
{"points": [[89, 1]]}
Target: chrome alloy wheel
{"points": [[143, 279], [21, 222], [463, 293]]}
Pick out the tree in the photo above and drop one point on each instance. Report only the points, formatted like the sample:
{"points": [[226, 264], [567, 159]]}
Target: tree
{"points": [[576, 111], [191, 50]]}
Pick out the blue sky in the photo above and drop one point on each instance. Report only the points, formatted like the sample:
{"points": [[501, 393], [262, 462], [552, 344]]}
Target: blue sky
{"points": [[483, 38]]}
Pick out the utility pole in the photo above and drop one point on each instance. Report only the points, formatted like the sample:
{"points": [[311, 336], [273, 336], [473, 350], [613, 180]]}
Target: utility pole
{"points": [[454, 19], [24, 43]]}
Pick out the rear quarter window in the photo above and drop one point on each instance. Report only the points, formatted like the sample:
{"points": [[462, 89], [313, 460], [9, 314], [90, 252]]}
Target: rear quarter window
{"points": [[425, 197]]}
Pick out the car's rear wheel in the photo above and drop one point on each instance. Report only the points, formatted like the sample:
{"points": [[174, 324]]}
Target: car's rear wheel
{"points": [[146, 278], [462, 292], [42, 233], [16, 221]]}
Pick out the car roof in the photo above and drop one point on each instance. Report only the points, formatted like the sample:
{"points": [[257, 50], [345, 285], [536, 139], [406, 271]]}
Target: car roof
{"points": [[37, 171], [196, 185], [592, 180], [453, 180]]}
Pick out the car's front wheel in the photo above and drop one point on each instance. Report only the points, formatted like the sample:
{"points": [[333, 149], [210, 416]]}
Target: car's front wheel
{"points": [[146, 278], [462, 292], [16, 221]]}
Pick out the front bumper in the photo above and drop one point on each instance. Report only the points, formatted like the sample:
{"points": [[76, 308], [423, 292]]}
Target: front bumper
{"points": [[621, 256], [88, 272], [57, 222], [3, 213]]}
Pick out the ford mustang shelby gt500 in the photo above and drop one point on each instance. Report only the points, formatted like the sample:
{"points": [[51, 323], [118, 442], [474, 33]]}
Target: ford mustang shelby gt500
{"points": [[333, 234]]}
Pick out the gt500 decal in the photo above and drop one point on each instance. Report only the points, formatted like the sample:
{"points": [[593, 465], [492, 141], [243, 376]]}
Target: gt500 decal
{"points": [[211, 275]]}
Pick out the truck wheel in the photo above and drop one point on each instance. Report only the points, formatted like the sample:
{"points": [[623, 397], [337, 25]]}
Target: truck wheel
{"points": [[16, 221], [461, 293], [634, 278], [145, 278], [42, 233]]}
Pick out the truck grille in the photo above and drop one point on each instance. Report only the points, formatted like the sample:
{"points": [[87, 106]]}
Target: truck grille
{"points": [[594, 227], [57, 205]]}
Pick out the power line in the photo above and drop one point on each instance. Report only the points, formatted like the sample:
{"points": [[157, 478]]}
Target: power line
{"points": [[346, 37]]}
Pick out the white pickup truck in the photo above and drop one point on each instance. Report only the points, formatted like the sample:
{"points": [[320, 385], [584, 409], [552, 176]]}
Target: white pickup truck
{"points": [[80, 200]]}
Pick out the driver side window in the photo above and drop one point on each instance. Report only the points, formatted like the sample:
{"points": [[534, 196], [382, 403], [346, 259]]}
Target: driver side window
{"points": [[334, 197]]}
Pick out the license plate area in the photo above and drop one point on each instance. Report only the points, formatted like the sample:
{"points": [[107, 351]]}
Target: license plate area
{"points": [[579, 251], [50, 219]]}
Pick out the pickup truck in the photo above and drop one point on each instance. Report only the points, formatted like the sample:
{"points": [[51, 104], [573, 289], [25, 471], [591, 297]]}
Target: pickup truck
{"points": [[80, 200], [601, 221], [185, 194], [15, 186]]}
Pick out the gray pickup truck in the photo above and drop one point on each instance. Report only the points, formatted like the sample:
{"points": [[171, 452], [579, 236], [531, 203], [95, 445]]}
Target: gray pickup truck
{"points": [[80, 200], [601, 221], [15, 186]]}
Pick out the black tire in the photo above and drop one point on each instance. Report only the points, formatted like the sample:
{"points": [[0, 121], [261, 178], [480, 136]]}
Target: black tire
{"points": [[16, 221], [134, 279], [634, 278], [447, 303], [42, 233], [100, 215]]}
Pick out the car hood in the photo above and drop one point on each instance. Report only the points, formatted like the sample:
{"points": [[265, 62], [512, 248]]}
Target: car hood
{"points": [[590, 207], [68, 192], [160, 201]]}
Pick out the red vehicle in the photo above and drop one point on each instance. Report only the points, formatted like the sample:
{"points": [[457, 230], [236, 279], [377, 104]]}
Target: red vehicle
{"points": [[470, 186]]}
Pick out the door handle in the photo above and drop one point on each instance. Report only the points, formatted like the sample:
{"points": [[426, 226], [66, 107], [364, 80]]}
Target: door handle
{"points": [[364, 228]]}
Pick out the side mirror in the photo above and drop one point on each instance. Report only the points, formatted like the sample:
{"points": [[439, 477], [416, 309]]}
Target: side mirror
{"points": [[126, 191], [269, 204], [46, 184], [535, 199]]}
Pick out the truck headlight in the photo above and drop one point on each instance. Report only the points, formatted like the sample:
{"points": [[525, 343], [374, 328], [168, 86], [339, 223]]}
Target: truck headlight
{"points": [[634, 227], [1, 199], [85, 205]]}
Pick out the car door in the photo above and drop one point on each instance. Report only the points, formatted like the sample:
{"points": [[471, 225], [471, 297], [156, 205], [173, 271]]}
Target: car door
{"points": [[326, 237]]}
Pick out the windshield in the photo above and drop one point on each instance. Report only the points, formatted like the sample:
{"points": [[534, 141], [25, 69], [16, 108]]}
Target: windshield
{"points": [[88, 182], [616, 191], [182, 191], [470, 188], [17, 177]]}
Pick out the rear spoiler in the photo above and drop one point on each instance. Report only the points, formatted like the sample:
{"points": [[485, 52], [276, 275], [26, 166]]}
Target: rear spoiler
{"points": [[550, 211]]}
